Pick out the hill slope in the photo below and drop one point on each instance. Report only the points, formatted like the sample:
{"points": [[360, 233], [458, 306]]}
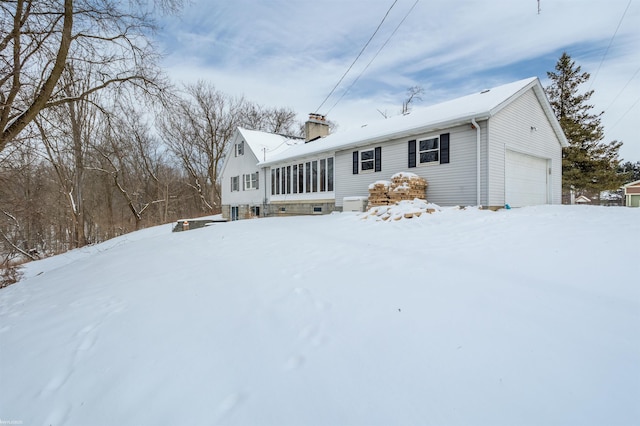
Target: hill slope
{"points": [[527, 316]]}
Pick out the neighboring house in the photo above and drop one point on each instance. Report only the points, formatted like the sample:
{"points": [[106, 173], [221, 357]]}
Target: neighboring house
{"points": [[244, 185], [612, 198], [500, 146], [632, 194], [583, 200]]}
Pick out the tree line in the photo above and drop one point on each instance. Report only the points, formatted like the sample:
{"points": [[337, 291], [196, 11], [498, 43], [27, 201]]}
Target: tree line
{"points": [[95, 141]]}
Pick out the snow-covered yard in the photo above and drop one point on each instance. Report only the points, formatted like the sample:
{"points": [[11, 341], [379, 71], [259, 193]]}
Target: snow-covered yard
{"points": [[463, 317]]}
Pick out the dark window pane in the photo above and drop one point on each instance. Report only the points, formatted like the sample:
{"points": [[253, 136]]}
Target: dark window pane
{"points": [[295, 178], [366, 155], [429, 156], [367, 165], [429, 144], [314, 175], [323, 175], [330, 174]]}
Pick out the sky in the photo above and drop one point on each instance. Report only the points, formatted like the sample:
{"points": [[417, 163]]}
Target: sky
{"points": [[293, 53]]}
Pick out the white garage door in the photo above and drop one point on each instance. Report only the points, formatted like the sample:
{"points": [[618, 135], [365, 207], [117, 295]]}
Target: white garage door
{"points": [[525, 180]]}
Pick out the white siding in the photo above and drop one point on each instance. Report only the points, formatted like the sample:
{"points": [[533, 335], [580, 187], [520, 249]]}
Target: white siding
{"points": [[523, 127], [448, 184], [239, 166]]}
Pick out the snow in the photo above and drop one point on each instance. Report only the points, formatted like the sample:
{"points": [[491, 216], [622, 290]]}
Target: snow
{"points": [[478, 105], [267, 145], [526, 316]]}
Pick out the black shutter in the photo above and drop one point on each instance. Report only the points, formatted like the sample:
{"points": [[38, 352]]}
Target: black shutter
{"points": [[444, 148], [257, 182], [356, 166], [378, 159], [412, 153]]}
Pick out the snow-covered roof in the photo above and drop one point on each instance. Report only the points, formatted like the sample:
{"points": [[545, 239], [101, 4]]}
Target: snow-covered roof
{"points": [[265, 145], [479, 106]]}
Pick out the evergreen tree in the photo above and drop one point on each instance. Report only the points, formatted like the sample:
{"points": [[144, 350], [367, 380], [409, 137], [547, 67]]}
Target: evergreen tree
{"points": [[631, 171], [588, 164]]}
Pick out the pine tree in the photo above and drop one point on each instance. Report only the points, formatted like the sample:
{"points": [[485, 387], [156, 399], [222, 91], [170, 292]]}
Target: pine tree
{"points": [[588, 164], [630, 171]]}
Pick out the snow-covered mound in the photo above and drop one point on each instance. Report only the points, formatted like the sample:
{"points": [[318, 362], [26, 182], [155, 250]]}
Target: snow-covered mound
{"points": [[461, 317], [401, 210]]}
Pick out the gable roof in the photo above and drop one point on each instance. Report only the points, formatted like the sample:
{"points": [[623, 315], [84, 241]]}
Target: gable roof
{"points": [[478, 106], [630, 184], [267, 145]]}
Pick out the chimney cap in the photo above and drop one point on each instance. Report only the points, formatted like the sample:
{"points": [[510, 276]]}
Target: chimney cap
{"points": [[317, 117]]}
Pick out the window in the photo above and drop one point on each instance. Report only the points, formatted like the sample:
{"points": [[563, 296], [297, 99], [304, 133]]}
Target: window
{"points": [[294, 175], [323, 175], [330, 174], [366, 160], [314, 175], [300, 178], [235, 183], [255, 211], [288, 179], [239, 148], [428, 150], [273, 182], [251, 181], [369, 160], [309, 177]]}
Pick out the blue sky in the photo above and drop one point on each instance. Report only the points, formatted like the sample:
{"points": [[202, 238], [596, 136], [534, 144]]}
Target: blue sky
{"points": [[292, 52]]}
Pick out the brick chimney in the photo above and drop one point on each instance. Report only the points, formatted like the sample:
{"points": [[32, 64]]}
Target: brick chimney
{"points": [[316, 127]]}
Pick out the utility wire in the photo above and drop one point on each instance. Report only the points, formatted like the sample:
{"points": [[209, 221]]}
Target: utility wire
{"points": [[374, 57], [624, 115], [609, 46], [357, 57], [623, 89]]}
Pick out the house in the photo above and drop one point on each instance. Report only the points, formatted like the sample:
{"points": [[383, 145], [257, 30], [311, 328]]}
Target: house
{"points": [[632, 194], [243, 184], [496, 147], [583, 199]]}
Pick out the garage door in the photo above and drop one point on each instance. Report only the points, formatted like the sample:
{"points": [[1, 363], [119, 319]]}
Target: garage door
{"points": [[525, 180]]}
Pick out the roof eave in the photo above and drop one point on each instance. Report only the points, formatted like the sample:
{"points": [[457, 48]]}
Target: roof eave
{"points": [[406, 133]]}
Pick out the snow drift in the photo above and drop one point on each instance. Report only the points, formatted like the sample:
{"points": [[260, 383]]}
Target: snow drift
{"points": [[525, 316]]}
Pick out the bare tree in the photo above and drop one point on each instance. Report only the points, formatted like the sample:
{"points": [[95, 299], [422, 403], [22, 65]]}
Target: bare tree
{"points": [[197, 128], [413, 94], [38, 37]]}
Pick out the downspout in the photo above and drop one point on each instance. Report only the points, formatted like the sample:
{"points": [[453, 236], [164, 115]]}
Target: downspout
{"points": [[264, 201], [478, 186]]}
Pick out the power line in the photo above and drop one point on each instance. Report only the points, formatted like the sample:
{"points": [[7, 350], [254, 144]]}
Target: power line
{"points": [[624, 115], [374, 57], [357, 57], [609, 46], [623, 89]]}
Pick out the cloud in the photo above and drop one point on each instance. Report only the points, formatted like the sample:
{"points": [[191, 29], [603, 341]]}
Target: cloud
{"points": [[292, 53]]}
